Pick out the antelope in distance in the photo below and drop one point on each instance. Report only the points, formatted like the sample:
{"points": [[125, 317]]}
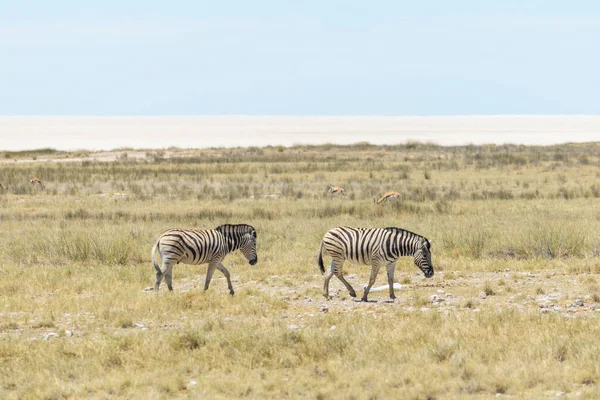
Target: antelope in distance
{"points": [[35, 182], [372, 246], [387, 197], [202, 247], [336, 190]]}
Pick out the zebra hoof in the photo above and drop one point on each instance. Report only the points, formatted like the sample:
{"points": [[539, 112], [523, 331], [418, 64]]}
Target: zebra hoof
{"points": [[352, 294], [364, 300], [231, 292]]}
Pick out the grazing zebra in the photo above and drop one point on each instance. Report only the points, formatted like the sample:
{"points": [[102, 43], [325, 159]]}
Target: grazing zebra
{"points": [[36, 182], [201, 247], [374, 246], [335, 190], [387, 196]]}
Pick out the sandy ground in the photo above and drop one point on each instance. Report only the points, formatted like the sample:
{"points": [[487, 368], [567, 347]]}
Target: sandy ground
{"points": [[109, 133]]}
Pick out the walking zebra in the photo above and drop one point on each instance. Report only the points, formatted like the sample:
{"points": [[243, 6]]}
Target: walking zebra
{"points": [[201, 247], [387, 196], [335, 190], [35, 182], [374, 246]]}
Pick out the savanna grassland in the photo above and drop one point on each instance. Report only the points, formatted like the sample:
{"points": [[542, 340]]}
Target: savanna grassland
{"points": [[512, 311]]}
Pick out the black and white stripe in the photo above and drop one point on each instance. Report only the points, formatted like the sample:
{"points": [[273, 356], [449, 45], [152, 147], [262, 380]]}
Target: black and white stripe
{"points": [[374, 246], [202, 247]]}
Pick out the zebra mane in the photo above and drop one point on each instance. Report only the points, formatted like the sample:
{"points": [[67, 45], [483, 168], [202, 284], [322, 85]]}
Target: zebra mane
{"points": [[234, 232], [228, 229], [400, 230]]}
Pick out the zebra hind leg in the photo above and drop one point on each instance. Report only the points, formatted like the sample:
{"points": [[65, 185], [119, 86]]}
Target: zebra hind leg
{"points": [[225, 272], [390, 274], [374, 271], [340, 276], [166, 271], [326, 280]]}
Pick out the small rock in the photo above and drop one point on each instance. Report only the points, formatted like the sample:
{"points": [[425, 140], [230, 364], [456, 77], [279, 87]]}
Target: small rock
{"points": [[448, 294], [572, 310], [139, 325], [324, 309], [482, 295], [440, 291], [192, 383], [333, 328], [506, 269], [145, 328], [293, 327], [542, 305], [579, 302], [544, 310], [68, 333]]}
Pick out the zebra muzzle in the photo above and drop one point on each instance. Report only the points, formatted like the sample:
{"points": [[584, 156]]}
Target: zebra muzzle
{"points": [[253, 261]]}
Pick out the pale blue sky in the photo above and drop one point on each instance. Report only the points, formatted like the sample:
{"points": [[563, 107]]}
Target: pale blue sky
{"points": [[300, 58]]}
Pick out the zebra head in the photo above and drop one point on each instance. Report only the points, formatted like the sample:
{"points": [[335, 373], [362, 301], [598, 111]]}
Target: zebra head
{"points": [[422, 256], [241, 236], [248, 247]]}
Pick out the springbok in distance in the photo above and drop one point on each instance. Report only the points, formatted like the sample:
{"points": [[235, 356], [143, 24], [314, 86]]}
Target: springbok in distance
{"points": [[387, 196], [335, 190], [202, 247], [35, 182]]}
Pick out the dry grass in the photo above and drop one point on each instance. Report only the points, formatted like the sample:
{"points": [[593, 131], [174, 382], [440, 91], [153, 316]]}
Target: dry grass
{"points": [[517, 223]]}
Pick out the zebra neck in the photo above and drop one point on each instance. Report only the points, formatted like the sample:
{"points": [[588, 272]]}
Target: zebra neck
{"points": [[404, 244], [232, 243]]}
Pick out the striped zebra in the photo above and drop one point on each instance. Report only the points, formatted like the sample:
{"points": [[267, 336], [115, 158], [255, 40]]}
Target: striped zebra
{"points": [[35, 182], [374, 246], [387, 196], [201, 247]]}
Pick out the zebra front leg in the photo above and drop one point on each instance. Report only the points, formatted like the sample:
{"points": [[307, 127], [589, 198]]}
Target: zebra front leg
{"points": [[390, 274], [374, 271], [225, 272], [209, 274]]}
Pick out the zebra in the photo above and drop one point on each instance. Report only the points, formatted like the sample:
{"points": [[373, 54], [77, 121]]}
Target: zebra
{"points": [[335, 190], [387, 196], [36, 182], [375, 246], [201, 247]]}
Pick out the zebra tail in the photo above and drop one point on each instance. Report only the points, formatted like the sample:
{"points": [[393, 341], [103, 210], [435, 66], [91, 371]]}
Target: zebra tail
{"points": [[154, 261], [321, 266]]}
